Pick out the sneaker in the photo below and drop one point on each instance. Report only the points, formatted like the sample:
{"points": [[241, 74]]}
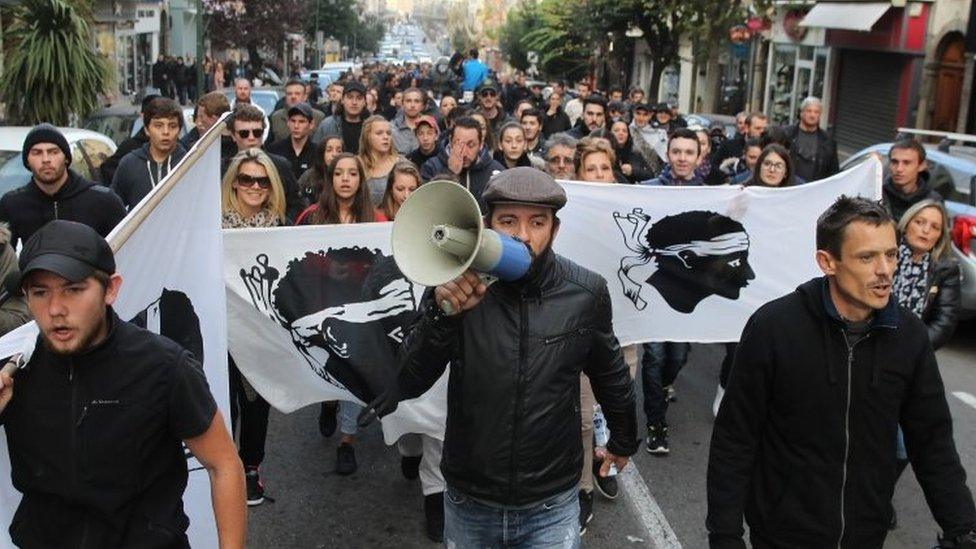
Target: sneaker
{"points": [[719, 395], [410, 467], [345, 459], [586, 509], [434, 514], [606, 485], [657, 440], [327, 418], [255, 489]]}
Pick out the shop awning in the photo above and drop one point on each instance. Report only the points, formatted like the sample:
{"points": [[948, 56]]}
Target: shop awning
{"points": [[856, 16]]}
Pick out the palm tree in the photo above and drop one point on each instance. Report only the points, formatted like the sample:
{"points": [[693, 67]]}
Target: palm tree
{"points": [[53, 69]]}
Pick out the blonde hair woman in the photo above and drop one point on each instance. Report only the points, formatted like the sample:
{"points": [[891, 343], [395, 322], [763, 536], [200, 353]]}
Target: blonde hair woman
{"points": [[378, 155], [251, 193]]}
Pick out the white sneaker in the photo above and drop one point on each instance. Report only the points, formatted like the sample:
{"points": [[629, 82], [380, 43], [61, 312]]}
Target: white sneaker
{"points": [[718, 400]]}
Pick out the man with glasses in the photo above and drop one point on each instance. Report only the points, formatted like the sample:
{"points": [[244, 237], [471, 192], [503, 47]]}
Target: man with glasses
{"points": [[247, 130], [490, 107], [560, 152]]}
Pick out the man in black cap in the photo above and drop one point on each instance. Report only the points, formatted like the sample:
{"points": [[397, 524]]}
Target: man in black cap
{"points": [[347, 121], [512, 447], [489, 105], [295, 93], [99, 415], [297, 147], [55, 191]]}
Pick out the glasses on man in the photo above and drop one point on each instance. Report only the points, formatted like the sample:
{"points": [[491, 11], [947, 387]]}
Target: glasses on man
{"points": [[489, 93], [255, 132], [774, 166], [246, 180], [560, 160]]}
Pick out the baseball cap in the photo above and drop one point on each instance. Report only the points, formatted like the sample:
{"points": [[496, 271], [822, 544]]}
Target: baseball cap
{"points": [[301, 108], [616, 106], [525, 185], [488, 84], [429, 120], [642, 107], [354, 86], [68, 249]]}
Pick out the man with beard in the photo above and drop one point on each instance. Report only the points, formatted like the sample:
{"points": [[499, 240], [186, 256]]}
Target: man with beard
{"points": [[55, 191], [561, 156], [489, 105], [97, 422], [144, 168], [594, 117], [804, 442], [405, 121], [512, 456], [466, 157]]}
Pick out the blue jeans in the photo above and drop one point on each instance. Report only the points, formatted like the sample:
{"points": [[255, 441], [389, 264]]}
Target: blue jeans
{"points": [[552, 524], [659, 368]]}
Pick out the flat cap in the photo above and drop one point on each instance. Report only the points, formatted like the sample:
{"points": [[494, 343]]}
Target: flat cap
{"points": [[525, 185]]}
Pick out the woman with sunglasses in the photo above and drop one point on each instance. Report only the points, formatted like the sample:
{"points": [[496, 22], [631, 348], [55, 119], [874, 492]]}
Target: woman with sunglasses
{"points": [[377, 154], [344, 199], [310, 183], [251, 195]]}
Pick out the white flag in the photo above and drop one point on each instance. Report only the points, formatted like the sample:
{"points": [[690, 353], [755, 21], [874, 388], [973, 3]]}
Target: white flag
{"points": [[317, 313], [170, 260]]}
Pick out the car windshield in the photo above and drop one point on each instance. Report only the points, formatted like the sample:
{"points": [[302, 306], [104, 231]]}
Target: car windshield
{"points": [[265, 100], [13, 174], [117, 127]]}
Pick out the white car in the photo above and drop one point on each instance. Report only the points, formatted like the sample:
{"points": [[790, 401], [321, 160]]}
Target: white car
{"points": [[88, 150]]}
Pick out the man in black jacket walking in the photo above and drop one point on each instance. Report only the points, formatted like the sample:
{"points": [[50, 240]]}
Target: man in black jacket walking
{"points": [[512, 448], [55, 191], [804, 441], [813, 151]]}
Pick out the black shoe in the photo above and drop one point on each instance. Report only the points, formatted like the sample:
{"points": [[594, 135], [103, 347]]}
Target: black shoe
{"points": [[434, 513], [606, 485], [586, 509], [657, 440], [327, 418], [255, 489], [345, 459], [410, 467]]}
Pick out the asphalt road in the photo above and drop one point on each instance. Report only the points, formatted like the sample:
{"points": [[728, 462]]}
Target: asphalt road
{"points": [[377, 507]]}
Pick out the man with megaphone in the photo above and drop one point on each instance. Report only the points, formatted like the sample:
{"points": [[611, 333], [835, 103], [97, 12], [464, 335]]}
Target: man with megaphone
{"points": [[512, 447]]}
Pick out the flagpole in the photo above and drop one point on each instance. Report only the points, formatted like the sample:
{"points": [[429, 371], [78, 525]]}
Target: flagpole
{"points": [[118, 237]]}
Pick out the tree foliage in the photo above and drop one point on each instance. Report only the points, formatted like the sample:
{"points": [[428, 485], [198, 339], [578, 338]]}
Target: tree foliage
{"points": [[522, 20], [52, 68], [254, 24], [341, 20]]}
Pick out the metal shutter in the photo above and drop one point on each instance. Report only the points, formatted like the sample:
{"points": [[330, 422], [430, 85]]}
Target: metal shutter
{"points": [[867, 98]]}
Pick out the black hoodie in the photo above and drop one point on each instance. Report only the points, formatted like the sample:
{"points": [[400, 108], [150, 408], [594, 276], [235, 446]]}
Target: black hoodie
{"points": [[27, 208], [138, 173], [804, 442], [898, 203]]}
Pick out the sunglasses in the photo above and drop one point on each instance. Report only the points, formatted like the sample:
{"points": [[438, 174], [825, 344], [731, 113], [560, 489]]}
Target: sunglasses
{"points": [[249, 180], [257, 132], [489, 93]]}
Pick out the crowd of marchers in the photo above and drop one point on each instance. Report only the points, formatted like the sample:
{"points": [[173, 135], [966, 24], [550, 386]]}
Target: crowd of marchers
{"points": [[830, 394]]}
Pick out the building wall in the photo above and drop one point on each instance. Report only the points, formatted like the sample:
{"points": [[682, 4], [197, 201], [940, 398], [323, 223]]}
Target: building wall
{"points": [[945, 17]]}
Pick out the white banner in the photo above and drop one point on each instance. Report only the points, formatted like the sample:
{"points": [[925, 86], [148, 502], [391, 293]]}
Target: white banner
{"points": [[316, 313], [172, 284]]}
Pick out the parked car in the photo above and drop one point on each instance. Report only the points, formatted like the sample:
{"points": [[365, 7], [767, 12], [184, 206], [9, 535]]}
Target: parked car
{"points": [[263, 96], [122, 122], [952, 173], [709, 121], [88, 150]]}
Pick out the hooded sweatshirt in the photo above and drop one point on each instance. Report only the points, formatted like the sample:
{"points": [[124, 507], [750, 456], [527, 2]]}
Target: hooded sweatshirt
{"points": [[898, 203], [138, 173], [475, 178], [27, 209], [804, 442]]}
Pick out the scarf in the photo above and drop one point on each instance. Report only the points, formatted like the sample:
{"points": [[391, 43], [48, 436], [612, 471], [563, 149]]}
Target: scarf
{"points": [[910, 286], [234, 220]]}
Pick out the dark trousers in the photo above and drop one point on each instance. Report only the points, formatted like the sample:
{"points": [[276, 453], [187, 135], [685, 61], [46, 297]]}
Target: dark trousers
{"points": [[252, 430], [660, 365], [723, 376]]}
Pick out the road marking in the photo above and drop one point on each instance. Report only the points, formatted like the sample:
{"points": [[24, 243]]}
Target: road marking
{"points": [[647, 509], [965, 397]]}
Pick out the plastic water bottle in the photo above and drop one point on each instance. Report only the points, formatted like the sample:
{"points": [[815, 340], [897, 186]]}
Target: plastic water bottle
{"points": [[602, 434]]}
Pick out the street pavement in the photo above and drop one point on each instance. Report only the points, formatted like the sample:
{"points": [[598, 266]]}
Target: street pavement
{"points": [[377, 507]]}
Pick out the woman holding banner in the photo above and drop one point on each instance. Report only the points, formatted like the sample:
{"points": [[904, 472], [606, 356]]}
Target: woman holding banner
{"points": [[251, 195]]}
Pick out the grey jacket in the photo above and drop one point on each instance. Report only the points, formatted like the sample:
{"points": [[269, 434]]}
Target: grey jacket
{"points": [[404, 140], [138, 174], [13, 311]]}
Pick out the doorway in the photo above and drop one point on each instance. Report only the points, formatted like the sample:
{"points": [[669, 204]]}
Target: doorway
{"points": [[948, 84]]}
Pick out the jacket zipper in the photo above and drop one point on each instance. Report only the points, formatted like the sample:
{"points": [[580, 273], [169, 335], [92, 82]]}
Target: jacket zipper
{"points": [[559, 337], [523, 343], [847, 433], [55, 209]]}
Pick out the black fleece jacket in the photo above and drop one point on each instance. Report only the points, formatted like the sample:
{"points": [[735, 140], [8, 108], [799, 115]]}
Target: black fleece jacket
{"points": [[804, 442], [27, 209]]}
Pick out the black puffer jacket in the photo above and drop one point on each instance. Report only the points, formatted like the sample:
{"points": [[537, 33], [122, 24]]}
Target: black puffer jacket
{"points": [[941, 312], [804, 442], [513, 407]]}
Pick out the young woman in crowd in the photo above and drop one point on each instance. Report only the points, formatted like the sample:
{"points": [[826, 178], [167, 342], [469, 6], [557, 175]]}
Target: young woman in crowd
{"points": [[511, 146], [310, 182], [377, 155], [344, 199], [402, 182], [485, 130], [630, 162], [251, 195], [447, 104], [773, 168]]}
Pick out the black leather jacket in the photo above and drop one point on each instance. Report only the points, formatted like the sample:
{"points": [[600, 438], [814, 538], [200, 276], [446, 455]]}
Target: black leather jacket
{"points": [[513, 419], [942, 301]]}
